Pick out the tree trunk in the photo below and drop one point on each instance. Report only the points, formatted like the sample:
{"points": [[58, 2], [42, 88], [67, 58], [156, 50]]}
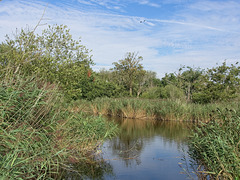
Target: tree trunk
{"points": [[130, 91], [189, 93], [138, 94], [130, 87]]}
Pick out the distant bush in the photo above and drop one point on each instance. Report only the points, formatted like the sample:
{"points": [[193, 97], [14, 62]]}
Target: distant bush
{"points": [[167, 92]]}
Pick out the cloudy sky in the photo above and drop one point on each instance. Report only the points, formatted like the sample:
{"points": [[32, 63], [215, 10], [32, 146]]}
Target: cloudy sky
{"points": [[167, 33]]}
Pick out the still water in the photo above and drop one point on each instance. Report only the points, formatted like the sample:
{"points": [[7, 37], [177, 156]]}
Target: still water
{"points": [[144, 149], [147, 149]]}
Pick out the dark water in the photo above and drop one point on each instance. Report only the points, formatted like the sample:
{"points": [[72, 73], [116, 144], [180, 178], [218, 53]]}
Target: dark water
{"points": [[147, 149], [144, 149]]}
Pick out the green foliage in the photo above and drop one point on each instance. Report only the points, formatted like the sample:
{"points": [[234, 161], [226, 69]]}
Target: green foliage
{"points": [[185, 79], [129, 70], [173, 92], [54, 55], [215, 145], [144, 80], [152, 93], [218, 84], [168, 92], [101, 89]]}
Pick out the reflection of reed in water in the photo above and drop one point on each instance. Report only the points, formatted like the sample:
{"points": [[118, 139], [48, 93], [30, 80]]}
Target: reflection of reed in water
{"points": [[136, 133], [96, 169], [171, 130]]}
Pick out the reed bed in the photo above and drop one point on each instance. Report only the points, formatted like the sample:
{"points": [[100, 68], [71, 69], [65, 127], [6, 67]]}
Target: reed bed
{"points": [[155, 109], [39, 137], [215, 146]]}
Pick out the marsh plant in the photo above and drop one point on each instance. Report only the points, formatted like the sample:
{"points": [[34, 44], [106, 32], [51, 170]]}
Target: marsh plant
{"points": [[39, 137], [159, 109], [215, 146]]}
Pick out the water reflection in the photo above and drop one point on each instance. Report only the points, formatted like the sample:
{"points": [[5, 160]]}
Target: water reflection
{"points": [[96, 169], [144, 149], [147, 149]]}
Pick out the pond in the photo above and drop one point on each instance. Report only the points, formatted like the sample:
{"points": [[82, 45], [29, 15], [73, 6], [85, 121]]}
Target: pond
{"points": [[144, 149], [148, 149]]}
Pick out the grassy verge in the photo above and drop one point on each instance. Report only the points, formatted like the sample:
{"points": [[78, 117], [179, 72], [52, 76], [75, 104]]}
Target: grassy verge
{"points": [[155, 109], [215, 146], [39, 138]]}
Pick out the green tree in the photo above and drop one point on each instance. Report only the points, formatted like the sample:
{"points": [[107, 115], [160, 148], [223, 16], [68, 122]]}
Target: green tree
{"points": [[110, 79], [54, 55], [128, 69], [220, 83], [185, 79], [189, 78], [147, 81]]}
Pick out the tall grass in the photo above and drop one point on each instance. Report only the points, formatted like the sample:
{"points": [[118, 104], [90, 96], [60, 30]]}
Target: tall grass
{"points": [[215, 146], [39, 137], [155, 109]]}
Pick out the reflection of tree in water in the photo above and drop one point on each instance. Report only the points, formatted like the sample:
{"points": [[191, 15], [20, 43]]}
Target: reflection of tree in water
{"points": [[128, 149], [134, 133]]}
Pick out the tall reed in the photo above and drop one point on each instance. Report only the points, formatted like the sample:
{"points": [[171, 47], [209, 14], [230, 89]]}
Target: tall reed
{"points": [[155, 109], [215, 146], [39, 137]]}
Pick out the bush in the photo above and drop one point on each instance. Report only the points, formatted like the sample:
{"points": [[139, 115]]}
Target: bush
{"points": [[168, 92]]}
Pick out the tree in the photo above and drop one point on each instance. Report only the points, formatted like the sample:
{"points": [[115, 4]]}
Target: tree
{"points": [[53, 55], [189, 78], [185, 79], [128, 69], [220, 83], [146, 80]]}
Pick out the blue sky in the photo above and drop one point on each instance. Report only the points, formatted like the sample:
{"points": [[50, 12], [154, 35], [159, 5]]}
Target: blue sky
{"points": [[197, 33]]}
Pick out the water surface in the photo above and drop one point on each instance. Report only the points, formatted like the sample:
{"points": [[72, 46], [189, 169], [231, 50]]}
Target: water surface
{"points": [[147, 149]]}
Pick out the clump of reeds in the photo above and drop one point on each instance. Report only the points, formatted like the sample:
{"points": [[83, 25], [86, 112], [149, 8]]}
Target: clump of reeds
{"points": [[26, 126], [39, 137], [215, 145], [154, 109]]}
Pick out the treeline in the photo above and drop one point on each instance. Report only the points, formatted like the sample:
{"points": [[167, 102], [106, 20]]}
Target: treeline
{"points": [[128, 78], [57, 58]]}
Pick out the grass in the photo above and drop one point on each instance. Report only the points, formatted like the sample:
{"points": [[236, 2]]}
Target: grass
{"points": [[215, 146], [39, 137], [155, 109]]}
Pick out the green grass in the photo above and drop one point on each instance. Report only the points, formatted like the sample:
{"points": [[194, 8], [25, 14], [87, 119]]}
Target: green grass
{"points": [[39, 137], [215, 146]]}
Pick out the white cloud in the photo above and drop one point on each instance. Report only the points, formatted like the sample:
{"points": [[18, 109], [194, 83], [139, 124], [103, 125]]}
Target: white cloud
{"points": [[85, 2], [194, 37], [146, 2]]}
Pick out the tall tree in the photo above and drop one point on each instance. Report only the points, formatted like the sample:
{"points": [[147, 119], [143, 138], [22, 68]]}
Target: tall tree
{"points": [[128, 68], [189, 78], [186, 79]]}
